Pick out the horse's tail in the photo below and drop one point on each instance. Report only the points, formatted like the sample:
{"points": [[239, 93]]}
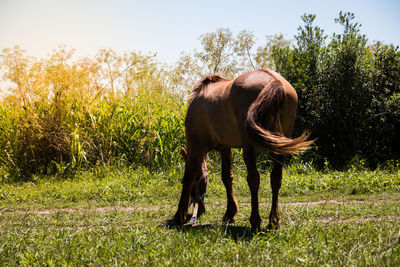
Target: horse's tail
{"points": [[263, 123]]}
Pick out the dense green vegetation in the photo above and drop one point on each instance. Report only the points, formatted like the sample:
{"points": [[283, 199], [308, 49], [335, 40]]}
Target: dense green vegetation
{"points": [[349, 91], [60, 117]]}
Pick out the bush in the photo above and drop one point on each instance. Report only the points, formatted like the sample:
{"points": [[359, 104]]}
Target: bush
{"points": [[348, 91]]}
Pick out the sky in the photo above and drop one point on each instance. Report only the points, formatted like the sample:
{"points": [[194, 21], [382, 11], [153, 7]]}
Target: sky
{"points": [[169, 27]]}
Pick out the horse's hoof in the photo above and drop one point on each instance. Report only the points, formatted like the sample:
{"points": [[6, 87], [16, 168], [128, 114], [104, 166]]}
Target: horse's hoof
{"points": [[255, 228], [201, 211], [228, 219], [272, 226], [255, 222], [173, 223]]}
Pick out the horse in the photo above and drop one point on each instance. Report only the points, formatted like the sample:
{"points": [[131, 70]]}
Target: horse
{"points": [[256, 112]]}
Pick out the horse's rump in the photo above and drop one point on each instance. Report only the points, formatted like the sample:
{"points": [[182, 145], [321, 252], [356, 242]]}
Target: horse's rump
{"points": [[263, 123]]}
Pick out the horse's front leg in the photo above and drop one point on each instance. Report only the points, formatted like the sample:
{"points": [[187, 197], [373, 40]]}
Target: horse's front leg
{"points": [[253, 180], [192, 170], [227, 178], [276, 182]]}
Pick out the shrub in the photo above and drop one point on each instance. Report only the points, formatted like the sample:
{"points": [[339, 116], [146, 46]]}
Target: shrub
{"points": [[348, 91]]}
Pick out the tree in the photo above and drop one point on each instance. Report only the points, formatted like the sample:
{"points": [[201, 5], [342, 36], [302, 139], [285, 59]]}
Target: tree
{"points": [[264, 57], [217, 50], [347, 91], [243, 46], [224, 53]]}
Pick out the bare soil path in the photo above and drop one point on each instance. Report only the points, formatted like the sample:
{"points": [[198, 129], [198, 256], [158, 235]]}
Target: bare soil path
{"points": [[154, 208]]}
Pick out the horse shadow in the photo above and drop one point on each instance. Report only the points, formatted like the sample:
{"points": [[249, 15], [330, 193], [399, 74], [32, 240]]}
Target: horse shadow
{"points": [[232, 230]]}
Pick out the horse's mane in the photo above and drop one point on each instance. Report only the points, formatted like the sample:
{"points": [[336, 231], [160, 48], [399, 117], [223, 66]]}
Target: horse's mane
{"points": [[213, 78]]}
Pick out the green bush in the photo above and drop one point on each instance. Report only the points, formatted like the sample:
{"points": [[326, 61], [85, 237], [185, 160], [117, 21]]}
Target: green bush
{"points": [[348, 91]]}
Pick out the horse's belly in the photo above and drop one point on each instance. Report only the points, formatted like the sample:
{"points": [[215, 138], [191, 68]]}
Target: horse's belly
{"points": [[225, 133], [231, 142]]}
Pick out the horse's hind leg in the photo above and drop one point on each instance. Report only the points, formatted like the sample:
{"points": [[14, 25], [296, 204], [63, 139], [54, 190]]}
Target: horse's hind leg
{"points": [[227, 178], [276, 182], [192, 170], [253, 180]]}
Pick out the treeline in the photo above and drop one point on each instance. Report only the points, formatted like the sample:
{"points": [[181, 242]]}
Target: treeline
{"points": [[60, 113]]}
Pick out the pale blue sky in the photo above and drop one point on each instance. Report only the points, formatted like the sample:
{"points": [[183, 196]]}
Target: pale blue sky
{"points": [[170, 27]]}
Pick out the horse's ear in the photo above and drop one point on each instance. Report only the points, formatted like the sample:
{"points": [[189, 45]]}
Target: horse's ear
{"points": [[184, 153]]}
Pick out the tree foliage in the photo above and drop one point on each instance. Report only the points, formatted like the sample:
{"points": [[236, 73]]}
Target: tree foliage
{"points": [[347, 90], [224, 53]]}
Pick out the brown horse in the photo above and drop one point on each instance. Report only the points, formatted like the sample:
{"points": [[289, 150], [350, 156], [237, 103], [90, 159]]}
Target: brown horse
{"points": [[255, 111]]}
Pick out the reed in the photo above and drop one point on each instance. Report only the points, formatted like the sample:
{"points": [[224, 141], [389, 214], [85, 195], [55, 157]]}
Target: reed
{"points": [[62, 113]]}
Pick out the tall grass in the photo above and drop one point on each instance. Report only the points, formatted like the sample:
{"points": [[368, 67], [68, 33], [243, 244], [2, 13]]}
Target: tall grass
{"points": [[62, 113]]}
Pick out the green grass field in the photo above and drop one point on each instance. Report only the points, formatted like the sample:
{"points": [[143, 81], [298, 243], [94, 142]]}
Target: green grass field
{"points": [[115, 216]]}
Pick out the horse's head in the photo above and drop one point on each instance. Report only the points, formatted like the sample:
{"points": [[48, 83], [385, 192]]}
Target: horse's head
{"points": [[199, 185]]}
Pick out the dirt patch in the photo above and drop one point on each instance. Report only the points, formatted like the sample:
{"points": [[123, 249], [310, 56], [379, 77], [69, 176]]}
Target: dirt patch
{"points": [[154, 208], [335, 201], [326, 201], [358, 220], [70, 210]]}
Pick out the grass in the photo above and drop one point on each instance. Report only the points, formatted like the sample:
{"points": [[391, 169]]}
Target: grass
{"points": [[109, 186], [361, 228]]}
